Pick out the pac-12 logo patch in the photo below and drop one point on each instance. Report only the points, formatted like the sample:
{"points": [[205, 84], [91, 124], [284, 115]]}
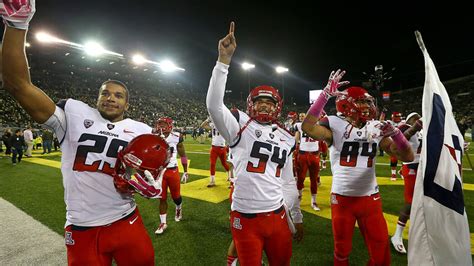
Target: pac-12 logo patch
{"points": [[68, 239], [359, 133], [88, 123], [110, 126], [258, 133], [236, 224]]}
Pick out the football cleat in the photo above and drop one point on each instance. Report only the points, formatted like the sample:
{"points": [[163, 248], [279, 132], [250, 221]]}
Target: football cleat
{"points": [[398, 244], [323, 164], [393, 178], [161, 229], [178, 215], [315, 207], [211, 184]]}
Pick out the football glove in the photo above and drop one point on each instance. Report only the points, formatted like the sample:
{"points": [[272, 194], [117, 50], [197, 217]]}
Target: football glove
{"points": [[146, 186], [184, 177], [17, 13]]}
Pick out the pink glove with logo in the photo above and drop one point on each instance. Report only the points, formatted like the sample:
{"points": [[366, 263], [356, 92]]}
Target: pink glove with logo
{"points": [[17, 13], [147, 186], [388, 130], [330, 90]]}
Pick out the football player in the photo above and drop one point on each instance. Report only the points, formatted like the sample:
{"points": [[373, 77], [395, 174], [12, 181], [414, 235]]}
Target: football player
{"points": [[218, 150], [90, 141], [412, 132], [353, 139], [262, 164], [308, 159], [164, 127], [291, 119], [396, 119]]}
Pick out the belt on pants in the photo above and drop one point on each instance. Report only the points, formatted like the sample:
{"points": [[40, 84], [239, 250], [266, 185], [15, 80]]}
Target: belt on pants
{"points": [[84, 228], [255, 215]]}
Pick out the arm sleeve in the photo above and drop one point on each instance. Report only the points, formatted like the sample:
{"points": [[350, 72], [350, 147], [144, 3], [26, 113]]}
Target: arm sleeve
{"points": [[223, 119], [290, 193], [57, 123]]}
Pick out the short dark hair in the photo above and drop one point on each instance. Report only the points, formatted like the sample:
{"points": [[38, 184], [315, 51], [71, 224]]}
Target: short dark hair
{"points": [[117, 82]]}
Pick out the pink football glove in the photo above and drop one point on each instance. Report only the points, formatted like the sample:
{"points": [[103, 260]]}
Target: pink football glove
{"points": [[17, 13], [334, 83], [147, 186], [388, 130]]}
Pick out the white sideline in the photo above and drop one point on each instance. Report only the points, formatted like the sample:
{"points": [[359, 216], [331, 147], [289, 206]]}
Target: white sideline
{"points": [[25, 241]]}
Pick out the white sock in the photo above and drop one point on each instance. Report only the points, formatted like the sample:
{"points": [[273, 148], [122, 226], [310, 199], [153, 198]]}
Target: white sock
{"points": [[394, 171], [179, 206], [163, 218], [213, 179], [399, 231], [313, 198]]}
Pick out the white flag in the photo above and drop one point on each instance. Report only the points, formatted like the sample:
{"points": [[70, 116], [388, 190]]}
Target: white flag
{"points": [[439, 231]]}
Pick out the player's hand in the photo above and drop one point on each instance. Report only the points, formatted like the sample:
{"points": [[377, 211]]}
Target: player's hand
{"points": [[387, 129], [17, 13], [121, 185], [298, 236], [227, 46], [334, 82], [147, 186], [184, 177]]}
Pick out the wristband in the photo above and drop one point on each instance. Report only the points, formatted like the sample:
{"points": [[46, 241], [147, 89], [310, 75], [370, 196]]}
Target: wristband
{"points": [[317, 107], [400, 140]]}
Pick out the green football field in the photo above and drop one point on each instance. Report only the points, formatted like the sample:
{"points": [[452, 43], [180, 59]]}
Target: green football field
{"points": [[202, 237]]}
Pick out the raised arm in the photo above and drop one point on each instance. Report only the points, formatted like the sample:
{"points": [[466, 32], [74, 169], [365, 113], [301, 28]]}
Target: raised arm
{"points": [[205, 124], [309, 125], [16, 76], [395, 143], [223, 119]]}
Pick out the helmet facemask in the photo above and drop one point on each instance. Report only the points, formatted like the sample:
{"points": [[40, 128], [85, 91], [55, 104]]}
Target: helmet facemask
{"points": [[267, 116]]}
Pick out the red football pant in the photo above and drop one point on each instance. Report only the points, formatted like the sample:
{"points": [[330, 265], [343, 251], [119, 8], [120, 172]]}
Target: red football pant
{"points": [[220, 152], [323, 147], [367, 211], [307, 161], [409, 178], [171, 180], [126, 241], [267, 232]]}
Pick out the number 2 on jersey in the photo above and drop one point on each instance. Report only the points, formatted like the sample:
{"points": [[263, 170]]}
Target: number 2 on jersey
{"points": [[98, 147]]}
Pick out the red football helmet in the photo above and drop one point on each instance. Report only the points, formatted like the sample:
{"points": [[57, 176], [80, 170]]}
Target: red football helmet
{"points": [[145, 152], [164, 125], [269, 92], [357, 104], [292, 115], [397, 117]]}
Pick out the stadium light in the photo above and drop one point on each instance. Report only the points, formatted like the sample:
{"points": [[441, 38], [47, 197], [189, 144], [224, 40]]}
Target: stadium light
{"points": [[168, 66], [46, 37], [247, 66], [280, 69], [138, 59], [93, 48]]}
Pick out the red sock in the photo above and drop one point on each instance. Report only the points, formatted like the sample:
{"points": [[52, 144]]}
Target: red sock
{"points": [[230, 259]]}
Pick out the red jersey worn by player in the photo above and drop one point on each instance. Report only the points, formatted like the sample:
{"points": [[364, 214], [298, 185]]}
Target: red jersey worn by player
{"points": [[171, 180], [308, 159], [412, 131], [396, 119], [262, 164], [353, 140], [218, 150]]}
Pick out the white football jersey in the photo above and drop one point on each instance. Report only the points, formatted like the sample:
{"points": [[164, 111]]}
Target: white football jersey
{"points": [[217, 139], [306, 142], [415, 142], [352, 155], [262, 158], [90, 145], [173, 139]]}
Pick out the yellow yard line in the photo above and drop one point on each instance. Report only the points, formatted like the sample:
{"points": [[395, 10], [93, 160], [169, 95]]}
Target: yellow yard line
{"points": [[198, 190]]}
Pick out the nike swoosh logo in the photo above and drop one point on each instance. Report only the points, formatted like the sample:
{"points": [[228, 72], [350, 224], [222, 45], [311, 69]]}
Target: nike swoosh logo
{"points": [[132, 221], [127, 131], [283, 216], [376, 198]]}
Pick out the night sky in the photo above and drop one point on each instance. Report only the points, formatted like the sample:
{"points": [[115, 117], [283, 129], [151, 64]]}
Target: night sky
{"points": [[310, 38]]}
